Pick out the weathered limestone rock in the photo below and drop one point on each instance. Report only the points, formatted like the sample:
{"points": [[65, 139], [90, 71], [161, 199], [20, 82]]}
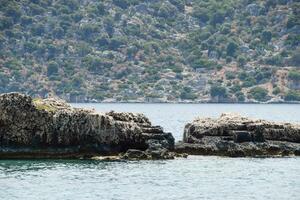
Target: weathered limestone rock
{"points": [[236, 136], [51, 128]]}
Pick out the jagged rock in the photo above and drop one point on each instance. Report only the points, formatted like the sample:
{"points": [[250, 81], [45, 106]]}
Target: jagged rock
{"points": [[51, 128], [233, 135]]}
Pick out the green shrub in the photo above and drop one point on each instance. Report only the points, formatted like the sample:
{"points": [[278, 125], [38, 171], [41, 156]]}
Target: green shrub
{"points": [[293, 39], [240, 96], [293, 20], [187, 93], [97, 64], [13, 10], [231, 49], [38, 29], [266, 36], [294, 75], [230, 75], [292, 95], [52, 68], [201, 13], [166, 10], [274, 60], [259, 94], [6, 22], [116, 42], [241, 60], [121, 3], [225, 29], [202, 63], [276, 90], [217, 18], [235, 88], [249, 82], [13, 64], [295, 58], [36, 9], [217, 90], [87, 30], [179, 4]]}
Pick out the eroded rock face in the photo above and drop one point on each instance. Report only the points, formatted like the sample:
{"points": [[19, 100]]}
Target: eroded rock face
{"points": [[52, 128], [237, 136]]}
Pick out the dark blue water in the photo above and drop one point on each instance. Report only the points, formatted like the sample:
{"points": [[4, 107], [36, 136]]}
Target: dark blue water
{"points": [[197, 177]]}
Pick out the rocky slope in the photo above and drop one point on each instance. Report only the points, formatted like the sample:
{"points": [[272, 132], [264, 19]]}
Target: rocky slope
{"points": [[236, 136], [151, 50], [50, 128]]}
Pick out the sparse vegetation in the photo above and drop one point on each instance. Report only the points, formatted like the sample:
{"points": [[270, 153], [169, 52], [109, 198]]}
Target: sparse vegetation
{"points": [[124, 49]]}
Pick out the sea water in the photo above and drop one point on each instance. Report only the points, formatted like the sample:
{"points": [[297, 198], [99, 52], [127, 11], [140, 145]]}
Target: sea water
{"points": [[197, 177]]}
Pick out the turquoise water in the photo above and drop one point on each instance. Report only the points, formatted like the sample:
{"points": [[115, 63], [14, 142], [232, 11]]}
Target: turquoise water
{"points": [[197, 177]]}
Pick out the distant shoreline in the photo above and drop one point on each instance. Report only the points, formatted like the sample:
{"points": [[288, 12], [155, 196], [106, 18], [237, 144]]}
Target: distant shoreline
{"points": [[122, 102]]}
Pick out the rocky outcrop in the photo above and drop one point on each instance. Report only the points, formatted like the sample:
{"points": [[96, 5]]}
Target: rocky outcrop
{"points": [[50, 128], [236, 136]]}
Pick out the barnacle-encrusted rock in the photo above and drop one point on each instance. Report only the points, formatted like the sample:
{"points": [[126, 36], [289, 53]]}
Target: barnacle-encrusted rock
{"points": [[237, 136], [51, 128]]}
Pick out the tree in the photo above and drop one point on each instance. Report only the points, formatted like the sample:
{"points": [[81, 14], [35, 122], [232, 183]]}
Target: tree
{"points": [[121, 3], [259, 93], [217, 90], [201, 13], [14, 11], [266, 36], [92, 63], [52, 68], [240, 96], [87, 30], [276, 90], [293, 21], [38, 29], [231, 49], [249, 81], [294, 75], [58, 32], [295, 59], [77, 81], [292, 95], [230, 75], [6, 22], [241, 61], [179, 4], [187, 93], [13, 64], [217, 18], [116, 42], [202, 63], [276, 60]]}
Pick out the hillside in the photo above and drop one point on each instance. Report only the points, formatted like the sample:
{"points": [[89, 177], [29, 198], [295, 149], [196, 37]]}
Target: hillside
{"points": [[151, 50]]}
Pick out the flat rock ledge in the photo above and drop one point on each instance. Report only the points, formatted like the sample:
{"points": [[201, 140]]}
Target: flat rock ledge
{"points": [[51, 128], [236, 136]]}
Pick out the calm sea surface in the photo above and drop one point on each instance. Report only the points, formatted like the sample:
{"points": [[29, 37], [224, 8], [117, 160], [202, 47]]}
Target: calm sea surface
{"points": [[197, 177]]}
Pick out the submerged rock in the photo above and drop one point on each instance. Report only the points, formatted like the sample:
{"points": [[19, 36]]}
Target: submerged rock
{"points": [[237, 136], [51, 128]]}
